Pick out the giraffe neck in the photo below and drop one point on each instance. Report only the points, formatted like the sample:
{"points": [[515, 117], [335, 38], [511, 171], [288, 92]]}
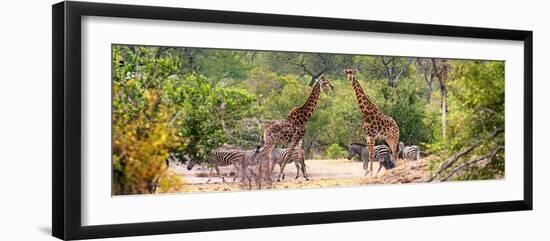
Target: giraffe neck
{"points": [[367, 107], [302, 114]]}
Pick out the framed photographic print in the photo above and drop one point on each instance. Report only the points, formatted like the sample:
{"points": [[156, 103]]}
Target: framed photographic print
{"points": [[169, 120]]}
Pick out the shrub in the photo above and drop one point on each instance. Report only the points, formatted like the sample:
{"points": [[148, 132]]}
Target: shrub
{"points": [[335, 151]]}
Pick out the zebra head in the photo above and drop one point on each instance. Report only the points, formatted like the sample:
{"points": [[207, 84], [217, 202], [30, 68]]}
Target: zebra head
{"points": [[400, 148], [355, 149], [190, 164]]}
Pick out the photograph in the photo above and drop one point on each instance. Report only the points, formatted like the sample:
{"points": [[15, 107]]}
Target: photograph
{"points": [[195, 120], [275, 120]]}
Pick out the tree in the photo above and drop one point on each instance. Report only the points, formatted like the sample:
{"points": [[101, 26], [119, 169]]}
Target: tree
{"points": [[142, 136], [442, 72], [427, 67], [394, 68], [158, 111], [475, 145], [312, 64], [388, 68]]}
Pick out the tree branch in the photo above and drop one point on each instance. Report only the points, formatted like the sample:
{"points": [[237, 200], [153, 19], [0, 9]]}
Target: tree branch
{"points": [[489, 156], [403, 70], [449, 162]]}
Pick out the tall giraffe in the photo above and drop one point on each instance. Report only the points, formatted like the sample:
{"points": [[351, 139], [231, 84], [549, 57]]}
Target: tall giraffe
{"points": [[377, 125], [291, 130]]}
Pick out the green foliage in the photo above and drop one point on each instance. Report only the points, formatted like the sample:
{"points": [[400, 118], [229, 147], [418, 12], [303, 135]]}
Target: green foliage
{"points": [[141, 137], [407, 107], [157, 111], [342, 116], [208, 112], [477, 102], [335, 151]]}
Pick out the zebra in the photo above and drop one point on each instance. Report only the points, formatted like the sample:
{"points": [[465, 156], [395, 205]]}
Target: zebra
{"points": [[409, 152], [223, 158], [279, 154], [382, 155]]}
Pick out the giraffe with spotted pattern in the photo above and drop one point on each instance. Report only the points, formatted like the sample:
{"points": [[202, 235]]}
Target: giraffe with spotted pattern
{"points": [[377, 125]]}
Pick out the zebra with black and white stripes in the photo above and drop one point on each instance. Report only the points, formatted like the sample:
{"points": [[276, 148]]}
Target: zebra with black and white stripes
{"points": [[409, 152], [223, 158], [297, 158], [279, 154], [382, 155]]}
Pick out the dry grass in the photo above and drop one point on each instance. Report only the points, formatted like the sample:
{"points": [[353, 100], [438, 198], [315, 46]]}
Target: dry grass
{"points": [[404, 172], [202, 174]]}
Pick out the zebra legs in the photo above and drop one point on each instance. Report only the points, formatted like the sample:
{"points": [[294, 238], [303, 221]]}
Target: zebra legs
{"points": [[239, 170], [366, 164], [379, 167], [210, 171], [280, 166], [299, 166], [218, 173]]}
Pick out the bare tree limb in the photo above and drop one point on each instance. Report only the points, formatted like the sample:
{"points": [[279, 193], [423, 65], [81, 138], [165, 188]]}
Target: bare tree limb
{"points": [[489, 156], [453, 159], [391, 69]]}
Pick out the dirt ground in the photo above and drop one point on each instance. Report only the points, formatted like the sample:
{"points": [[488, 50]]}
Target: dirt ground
{"points": [[322, 173]]}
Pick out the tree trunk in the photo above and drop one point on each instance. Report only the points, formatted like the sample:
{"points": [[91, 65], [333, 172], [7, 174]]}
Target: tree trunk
{"points": [[430, 90], [307, 148], [442, 75], [444, 112]]}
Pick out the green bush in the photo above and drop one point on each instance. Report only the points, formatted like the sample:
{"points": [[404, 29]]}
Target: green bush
{"points": [[335, 151]]}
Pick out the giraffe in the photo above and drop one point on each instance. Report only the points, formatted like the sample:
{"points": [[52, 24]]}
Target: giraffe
{"points": [[291, 129], [377, 125]]}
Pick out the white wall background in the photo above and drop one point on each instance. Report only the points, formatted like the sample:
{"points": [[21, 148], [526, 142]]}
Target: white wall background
{"points": [[25, 119]]}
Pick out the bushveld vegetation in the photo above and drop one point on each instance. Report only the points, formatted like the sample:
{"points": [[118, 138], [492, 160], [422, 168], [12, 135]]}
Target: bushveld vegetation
{"points": [[193, 100]]}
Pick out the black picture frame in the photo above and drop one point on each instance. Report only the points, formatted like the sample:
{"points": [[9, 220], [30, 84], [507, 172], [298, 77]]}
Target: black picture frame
{"points": [[66, 128]]}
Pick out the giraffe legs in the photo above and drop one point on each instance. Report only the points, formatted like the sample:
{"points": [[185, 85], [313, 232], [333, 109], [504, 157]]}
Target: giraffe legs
{"points": [[297, 169], [269, 149], [286, 158], [370, 144], [393, 141], [302, 161]]}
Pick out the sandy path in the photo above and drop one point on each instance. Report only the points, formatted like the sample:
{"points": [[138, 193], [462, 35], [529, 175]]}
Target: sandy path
{"points": [[322, 173]]}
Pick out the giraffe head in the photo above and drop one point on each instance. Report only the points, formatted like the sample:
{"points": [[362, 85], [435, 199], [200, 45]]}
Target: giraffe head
{"points": [[325, 84], [350, 73]]}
